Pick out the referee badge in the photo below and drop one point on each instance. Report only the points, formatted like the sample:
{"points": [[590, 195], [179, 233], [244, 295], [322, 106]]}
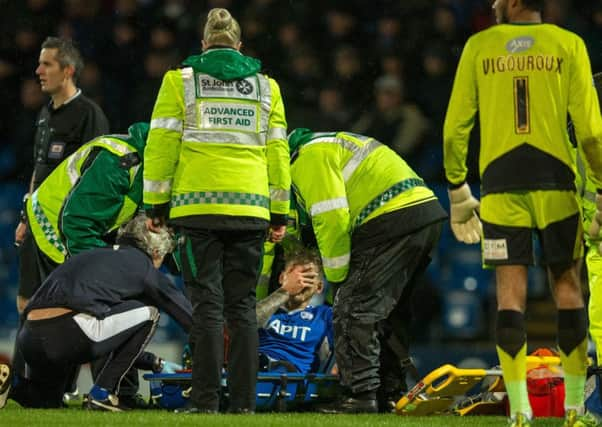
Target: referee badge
{"points": [[56, 150]]}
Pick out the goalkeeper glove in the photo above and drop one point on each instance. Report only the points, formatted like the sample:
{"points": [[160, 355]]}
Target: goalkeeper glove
{"points": [[465, 223], [596, 225]]}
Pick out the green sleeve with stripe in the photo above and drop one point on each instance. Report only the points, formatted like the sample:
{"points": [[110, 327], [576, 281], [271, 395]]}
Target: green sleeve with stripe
{"points": [[92, 206]]}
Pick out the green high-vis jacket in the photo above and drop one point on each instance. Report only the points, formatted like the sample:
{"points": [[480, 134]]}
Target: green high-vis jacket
{"points": [[92, 192]]}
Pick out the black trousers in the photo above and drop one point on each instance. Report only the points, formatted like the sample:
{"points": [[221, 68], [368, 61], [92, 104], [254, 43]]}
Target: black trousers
{"points": [[34, 266], [130, 384], [220, 269], [54, 348], [371, 312]]}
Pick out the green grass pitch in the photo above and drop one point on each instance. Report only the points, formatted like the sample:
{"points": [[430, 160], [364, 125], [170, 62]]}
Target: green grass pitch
{"points": [[13, 415]]}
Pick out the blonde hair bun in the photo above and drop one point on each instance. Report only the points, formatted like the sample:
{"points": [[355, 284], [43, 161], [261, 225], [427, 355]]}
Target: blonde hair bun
{"points": [[221, 28], [219, 19]]}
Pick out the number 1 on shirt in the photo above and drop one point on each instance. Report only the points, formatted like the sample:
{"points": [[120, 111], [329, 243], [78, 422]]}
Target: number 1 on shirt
{"points": [[522, 122]]}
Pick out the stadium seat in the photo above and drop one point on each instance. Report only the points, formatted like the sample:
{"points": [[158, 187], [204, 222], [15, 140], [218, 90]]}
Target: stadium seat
{"points": [[466, 270], [462, 314], [8, 159], [11, 195]]}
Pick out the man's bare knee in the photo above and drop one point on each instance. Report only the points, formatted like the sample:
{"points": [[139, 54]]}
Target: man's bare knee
{"points": [[511, 287], [566, 286], [560, 269]]}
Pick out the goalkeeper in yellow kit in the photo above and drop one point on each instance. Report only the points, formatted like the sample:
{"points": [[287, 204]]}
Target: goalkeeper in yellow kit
{"points": [[524, 78]]}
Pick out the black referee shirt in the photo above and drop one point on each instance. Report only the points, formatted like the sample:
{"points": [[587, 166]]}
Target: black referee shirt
{"points": [[61, 131]]}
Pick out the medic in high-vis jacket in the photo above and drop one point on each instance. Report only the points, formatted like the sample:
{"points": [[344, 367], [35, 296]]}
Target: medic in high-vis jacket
{"points": [[217, 144], [218, 168], [91, 193], [375, 222]]}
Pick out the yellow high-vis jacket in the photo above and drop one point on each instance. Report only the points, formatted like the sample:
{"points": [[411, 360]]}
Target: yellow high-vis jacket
{"points": [[342, 181], [217, 144]]}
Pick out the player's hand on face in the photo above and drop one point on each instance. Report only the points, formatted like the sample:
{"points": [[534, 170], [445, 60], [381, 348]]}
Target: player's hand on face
{"points": [[310, 276], [298, 278]]}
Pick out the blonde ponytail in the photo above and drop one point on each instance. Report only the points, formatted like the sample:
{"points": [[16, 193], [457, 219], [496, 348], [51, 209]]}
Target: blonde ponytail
{"points": [[221, 28]]}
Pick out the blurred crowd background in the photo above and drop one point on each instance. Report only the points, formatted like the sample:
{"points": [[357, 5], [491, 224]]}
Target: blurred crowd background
{"points": [[382, 68]]}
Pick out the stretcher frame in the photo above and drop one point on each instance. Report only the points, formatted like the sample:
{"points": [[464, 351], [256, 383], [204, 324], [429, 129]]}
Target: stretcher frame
{"points": [[439, 391]]}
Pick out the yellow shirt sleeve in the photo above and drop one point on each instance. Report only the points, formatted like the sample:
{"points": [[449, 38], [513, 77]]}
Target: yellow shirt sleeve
{"points": [[460, 117]]}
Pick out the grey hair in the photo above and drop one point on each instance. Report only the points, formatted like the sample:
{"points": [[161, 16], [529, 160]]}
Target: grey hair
{"points": [[66, 54], [136, 232]]}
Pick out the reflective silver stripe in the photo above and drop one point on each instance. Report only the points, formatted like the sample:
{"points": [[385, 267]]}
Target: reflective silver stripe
{"points": [[167, 123], [336, 262], [157, 186], [98, 330], [590, 196], [279, 195], [189, 96], [360, 153], [133, 172], [581, 171], [72, 161], [348, 145], [358, 136], [328, 205], [264, 280], [277, 133], [121, 148], [324, 140], [46, 226], [266, 104], [230, 137]]}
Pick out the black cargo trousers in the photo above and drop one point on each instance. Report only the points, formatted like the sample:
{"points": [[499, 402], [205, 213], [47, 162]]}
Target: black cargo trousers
{"points": [[371, 310], [220, 270]]}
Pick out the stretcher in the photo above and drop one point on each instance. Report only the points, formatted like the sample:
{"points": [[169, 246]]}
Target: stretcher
{"points": [[442, 389], [275, 391]]}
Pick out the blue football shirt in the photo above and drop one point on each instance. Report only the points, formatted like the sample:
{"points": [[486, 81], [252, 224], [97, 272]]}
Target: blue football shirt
{"points": [[296, 336]]}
